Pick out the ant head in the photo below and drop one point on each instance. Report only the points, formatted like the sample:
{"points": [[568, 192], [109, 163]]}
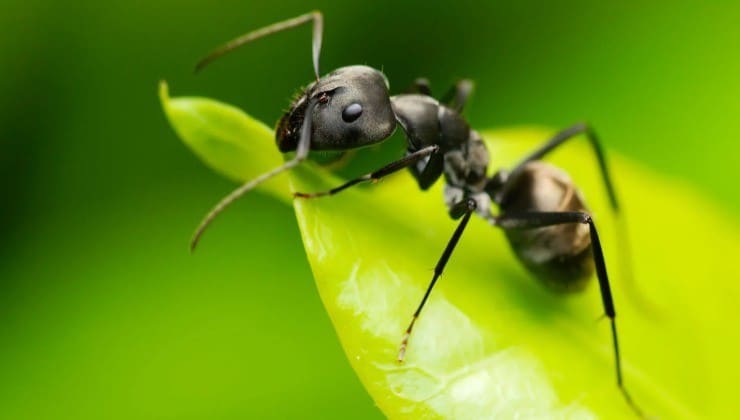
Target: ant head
{"points": [[353, 109]]}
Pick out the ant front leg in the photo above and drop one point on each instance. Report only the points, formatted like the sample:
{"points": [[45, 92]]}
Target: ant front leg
{"points": [[458, 95], [421, 86], [455, 98], [533, 220], [386, 170], [462, 209], [427, 172]]}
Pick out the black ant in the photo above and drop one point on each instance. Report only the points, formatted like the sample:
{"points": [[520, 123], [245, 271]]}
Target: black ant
{"points": [[542, 213]]}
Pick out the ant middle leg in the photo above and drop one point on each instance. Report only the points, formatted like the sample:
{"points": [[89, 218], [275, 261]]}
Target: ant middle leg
{"points": [[462, 209], [533, 220]]}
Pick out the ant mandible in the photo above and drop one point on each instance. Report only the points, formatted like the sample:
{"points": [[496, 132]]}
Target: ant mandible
{"points": [[542, 213]]}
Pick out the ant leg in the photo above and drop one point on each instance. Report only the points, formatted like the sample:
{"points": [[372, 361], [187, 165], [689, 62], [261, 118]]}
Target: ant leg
{"points": [[304, 145], [378, 174], [537, 220], [427, 173], [458, 95], [462, 209], [625, 252], [556, 141], [420, 86], [318, 28], [455, 98]]}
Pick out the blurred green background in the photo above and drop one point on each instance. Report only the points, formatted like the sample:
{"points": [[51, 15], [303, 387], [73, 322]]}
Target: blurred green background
{"points": [[104, 314]]}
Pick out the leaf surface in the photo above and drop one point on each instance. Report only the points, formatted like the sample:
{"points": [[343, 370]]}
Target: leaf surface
{"points": [[492, 342]]}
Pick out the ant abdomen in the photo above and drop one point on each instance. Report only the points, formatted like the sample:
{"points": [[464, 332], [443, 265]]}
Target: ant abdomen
{"points": [[560, 256]]}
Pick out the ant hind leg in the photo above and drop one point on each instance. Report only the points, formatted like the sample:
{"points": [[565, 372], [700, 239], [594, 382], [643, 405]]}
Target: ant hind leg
{"points": [[533, 220]]}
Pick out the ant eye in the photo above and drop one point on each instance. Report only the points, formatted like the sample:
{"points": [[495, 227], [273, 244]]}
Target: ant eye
{"points": [[352, 112]]}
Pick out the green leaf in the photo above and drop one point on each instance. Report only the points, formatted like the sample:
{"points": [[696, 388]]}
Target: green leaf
{"points": [[228, 140], [492, 342]]}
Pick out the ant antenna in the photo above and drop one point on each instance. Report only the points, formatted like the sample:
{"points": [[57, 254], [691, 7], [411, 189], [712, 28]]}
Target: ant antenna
{"points": [[318, 29], [304, 144]]}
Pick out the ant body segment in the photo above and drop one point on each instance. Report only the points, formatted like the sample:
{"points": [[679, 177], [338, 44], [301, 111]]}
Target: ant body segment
{"points": [[541, 212]]}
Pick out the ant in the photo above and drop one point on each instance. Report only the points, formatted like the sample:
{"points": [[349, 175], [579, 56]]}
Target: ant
{"points": [[542, 213]]}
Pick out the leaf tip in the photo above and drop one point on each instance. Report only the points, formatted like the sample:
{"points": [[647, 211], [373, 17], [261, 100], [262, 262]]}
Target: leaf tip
{"points": [[164, 92]]}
